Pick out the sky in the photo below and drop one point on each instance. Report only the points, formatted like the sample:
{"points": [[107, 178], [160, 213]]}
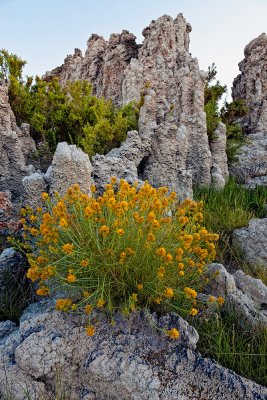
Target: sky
{"points": [[44, 32]]}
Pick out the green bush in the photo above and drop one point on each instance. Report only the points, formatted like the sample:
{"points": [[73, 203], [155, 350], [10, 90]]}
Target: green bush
{"points": [[70, 113], [230, 113], [212, 96], [10, 65]]}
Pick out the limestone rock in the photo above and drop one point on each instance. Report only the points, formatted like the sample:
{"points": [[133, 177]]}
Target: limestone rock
{"points": [[26, 141], [103, 64], [12, 152], [246, 296], [69, 71], [219, 157], [222, 282], [252, 240], [247, 309], [9, 219], [6, 328], [130, 360], [251, 85], [251, 167], [249, 300], [70, 165], [124, 162], [162, 74], [173, 89], [254, 288], [34, 185], [7, 212]]}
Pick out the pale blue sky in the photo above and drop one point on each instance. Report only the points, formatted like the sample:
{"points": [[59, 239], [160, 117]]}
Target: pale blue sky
{"points": [[43, 32]]}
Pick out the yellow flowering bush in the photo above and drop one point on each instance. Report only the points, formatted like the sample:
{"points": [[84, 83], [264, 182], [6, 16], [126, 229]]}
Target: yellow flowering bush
{"points": [[125, 250]]}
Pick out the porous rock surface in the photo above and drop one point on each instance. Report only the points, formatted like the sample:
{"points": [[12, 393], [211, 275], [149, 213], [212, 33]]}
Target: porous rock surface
{"points": [[244, 295], [162, 74], [219, 170], [251, 85], [252, 240], [16, 145], [131, 359], [8, 213], [103, 64], [121, 162], [249, 300], [70, 165]]}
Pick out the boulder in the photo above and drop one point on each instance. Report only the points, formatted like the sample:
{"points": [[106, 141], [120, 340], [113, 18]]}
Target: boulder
{"points": [[221, 281], [130, 359], [252, 287], [252, 240], [70, 166], [34, 185], [244, 295]]}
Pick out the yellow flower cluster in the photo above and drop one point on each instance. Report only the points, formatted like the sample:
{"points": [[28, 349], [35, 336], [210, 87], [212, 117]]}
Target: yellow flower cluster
{"points": [[126, 249]]}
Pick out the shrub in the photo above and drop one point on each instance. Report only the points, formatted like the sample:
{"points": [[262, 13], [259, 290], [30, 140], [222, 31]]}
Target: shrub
{"points": [[212, 96], [10, 65], [70, 113], [124, 250], [230, 114]]}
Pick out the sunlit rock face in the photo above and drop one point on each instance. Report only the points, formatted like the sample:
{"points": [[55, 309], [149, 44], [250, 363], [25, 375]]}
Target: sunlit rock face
{"points": [[251, 85]]}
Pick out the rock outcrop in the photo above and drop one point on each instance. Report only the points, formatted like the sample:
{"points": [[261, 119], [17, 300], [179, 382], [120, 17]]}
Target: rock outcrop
{"points": [[103, 64], [162, 74], [219, 170], [70, 166], [251, 85], [130, 359], [249, 300], [15, 147], [245, 295], [252, 240]]}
